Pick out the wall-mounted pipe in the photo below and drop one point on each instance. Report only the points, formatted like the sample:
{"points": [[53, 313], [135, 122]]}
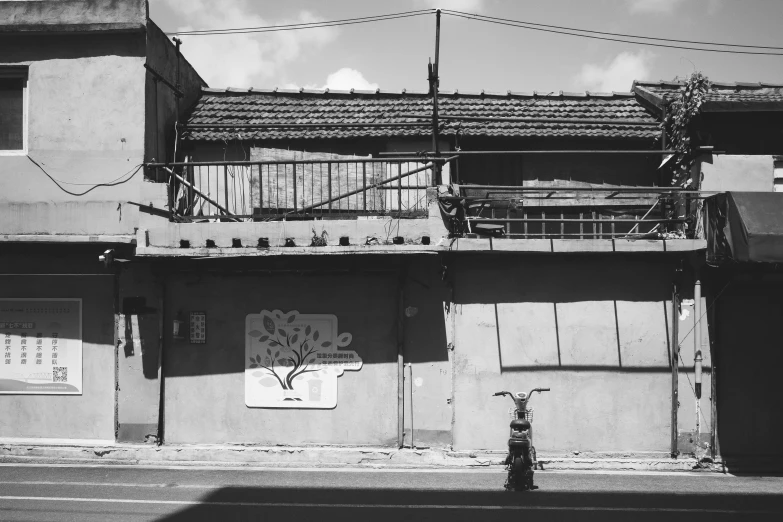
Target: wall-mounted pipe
{"points": [[697, 357], [675, 369], [410, 376]]}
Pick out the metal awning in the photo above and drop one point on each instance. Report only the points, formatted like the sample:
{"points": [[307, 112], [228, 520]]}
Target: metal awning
{"points": [[745, 226]]}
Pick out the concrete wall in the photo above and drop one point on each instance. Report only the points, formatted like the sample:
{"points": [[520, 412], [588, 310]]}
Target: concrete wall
{"points": [[428, 396], [595, 330], [204, 384], [163, 108], [86, 127], [737, 173], [748, 363], [70, 15], [74, 417]]}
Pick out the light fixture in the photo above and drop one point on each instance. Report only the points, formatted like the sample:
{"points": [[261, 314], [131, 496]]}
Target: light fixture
{"points": [[177, 326]]}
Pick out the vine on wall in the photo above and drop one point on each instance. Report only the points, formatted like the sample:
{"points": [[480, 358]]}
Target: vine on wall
{"points": [[679, 115]]}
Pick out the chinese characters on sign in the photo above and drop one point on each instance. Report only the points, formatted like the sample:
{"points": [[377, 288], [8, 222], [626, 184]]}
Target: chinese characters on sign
{"points": [[42, 346], [293, 360], [198, 327]]}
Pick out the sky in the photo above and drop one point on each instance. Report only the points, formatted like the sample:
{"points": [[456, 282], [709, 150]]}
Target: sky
{"points": [[474, 56]]}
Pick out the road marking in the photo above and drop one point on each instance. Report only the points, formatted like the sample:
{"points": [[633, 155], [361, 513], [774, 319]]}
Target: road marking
{"points": [[249, 468], [383, 506], [110, 484]]}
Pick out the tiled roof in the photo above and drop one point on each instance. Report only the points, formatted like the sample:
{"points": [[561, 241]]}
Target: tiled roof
{"points": [[376, 107], [738, 93]]}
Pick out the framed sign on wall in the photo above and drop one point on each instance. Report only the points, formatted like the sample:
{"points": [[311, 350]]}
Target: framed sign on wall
{"points": [[293, 360], [42, 346], [198, 327]]}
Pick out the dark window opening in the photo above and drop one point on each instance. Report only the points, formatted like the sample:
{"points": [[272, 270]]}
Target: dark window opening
{"points": [[12, 113]]}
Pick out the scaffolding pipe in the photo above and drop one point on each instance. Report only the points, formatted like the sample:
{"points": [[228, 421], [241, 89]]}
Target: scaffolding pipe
{"points": [[569, 220], [427, 154], [197, 191], [364, 189], [697, 358], [499, 188], [291, 162]]}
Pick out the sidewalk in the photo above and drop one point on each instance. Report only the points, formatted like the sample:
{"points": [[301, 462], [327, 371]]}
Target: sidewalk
{"points": [[62, 452]]}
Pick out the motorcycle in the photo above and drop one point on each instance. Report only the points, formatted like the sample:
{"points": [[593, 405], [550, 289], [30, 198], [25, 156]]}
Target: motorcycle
{"points": [[521, 459]]}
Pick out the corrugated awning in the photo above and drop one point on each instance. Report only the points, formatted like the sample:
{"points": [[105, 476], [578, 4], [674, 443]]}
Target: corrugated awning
{"points": [[745, 226]]}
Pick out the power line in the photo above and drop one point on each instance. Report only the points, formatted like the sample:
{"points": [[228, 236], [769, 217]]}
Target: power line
{"points": [[612, 34], [112, 183], [522, 24], [305, 25], [525, 25]]}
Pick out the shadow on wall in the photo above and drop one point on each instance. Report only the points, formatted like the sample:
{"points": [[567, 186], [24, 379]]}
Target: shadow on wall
{"points": [[55, 47], [366, 305], [583, 313], [255, 503]]}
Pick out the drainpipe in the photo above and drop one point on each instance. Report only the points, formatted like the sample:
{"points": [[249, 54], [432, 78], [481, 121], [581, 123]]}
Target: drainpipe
{"points": [[697, 358], [410, 373]]}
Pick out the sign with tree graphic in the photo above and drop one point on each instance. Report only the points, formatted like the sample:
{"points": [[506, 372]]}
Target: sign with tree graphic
{"points": [[293, 360]]}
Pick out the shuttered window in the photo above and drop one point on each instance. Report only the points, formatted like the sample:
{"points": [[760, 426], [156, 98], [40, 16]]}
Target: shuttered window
{"points": [[13, 83]]}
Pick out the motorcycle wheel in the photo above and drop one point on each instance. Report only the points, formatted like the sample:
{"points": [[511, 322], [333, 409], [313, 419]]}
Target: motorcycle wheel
{"points": [[520, 475]]}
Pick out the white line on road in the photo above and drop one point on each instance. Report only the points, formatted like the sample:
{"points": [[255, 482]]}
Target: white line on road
{"points": [[494, 471], [382, 506], [109, 484]]}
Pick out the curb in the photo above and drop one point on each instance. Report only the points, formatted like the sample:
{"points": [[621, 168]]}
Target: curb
{"points": [[293, 457]]}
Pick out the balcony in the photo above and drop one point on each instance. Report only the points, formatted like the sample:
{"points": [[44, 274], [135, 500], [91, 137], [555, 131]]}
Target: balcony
{"points": [[572, 211], [364, 205], [297, 190]]}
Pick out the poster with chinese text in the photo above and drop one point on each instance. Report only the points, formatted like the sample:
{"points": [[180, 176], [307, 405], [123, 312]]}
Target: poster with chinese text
{"points": [[42, 346]]}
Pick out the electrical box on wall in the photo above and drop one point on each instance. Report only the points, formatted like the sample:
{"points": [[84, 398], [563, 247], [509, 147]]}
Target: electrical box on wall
{"points": [[198, 327]]}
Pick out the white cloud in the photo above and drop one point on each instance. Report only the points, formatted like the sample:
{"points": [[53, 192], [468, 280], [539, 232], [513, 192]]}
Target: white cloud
{"points": [[618, 74], [653, 6], [242, 60], [343, 79], [470, 6], [346, 79]]}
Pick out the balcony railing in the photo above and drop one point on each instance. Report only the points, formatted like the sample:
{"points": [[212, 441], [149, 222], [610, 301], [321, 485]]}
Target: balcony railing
{"points": [[300, 189], [347, 188], [574, 212]]}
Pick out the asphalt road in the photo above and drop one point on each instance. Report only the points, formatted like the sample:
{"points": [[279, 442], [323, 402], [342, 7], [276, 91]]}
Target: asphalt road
{"points": [[130, 493]]}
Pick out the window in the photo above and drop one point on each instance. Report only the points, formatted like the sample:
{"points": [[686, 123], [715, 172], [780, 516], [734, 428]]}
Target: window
{"points": [[13, 110]]}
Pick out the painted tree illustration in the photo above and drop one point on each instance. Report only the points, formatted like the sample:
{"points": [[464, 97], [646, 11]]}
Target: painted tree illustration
{"points": [[289, 354]]}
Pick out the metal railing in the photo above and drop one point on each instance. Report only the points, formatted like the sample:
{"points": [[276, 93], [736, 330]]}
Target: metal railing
{"points": [[574, 212], [297, 189]]}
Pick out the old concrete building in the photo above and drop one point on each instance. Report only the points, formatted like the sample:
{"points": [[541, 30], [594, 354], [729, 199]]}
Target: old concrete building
{"points": [[85, 104], [307, 271]]}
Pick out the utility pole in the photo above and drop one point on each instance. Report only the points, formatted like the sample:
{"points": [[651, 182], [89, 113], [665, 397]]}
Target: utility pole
{"points": [[434, 84]]}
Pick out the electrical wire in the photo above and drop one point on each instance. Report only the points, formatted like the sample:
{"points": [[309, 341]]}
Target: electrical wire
{"points": [[448, 11], [525, 25], [522, 24], [305, 25], [112, 183]]}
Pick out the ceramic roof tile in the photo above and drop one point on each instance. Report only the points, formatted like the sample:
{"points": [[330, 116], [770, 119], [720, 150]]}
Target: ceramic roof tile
{"points": [[221, 107], [743, 92]]}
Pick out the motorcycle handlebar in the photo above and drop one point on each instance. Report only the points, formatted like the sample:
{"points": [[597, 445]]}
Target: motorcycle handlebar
{"points": [[543, 389], [500, 393]]}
